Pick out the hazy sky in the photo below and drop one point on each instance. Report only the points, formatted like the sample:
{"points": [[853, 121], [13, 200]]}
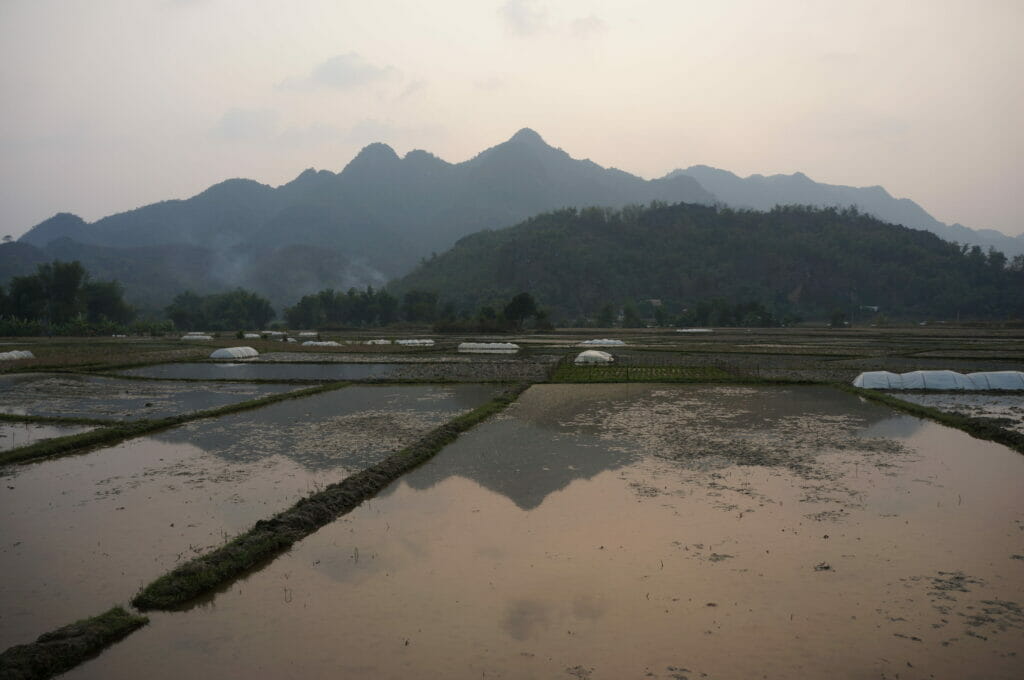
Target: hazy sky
{"points": [[106, 105]]}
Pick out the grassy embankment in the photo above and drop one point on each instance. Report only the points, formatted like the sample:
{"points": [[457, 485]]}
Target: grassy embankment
{"points": [[567, 372], [275, 535], [62, 649], [978, 428], [118, 432]]}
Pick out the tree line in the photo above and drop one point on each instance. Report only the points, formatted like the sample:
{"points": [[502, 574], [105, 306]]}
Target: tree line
{"points": [[61, 299]]}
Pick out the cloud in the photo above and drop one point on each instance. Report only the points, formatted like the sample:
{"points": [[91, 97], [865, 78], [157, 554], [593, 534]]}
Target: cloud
{"points": [[245, 124], [370, 130], [588, 27], [412, 88], [491, 83], [522, 18], [173, 4], [342, 72]]}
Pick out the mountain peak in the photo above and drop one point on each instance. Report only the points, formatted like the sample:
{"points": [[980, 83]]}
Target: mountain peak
{"points": [[377, 151], [60, 225], [373, 157], [528, 136]]}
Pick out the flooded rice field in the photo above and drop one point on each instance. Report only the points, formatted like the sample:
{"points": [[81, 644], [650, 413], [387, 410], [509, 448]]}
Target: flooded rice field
{"points": [[84, 532], [14, 435], [1005, 410], [626, 531], [328, 372], [77, 396]]}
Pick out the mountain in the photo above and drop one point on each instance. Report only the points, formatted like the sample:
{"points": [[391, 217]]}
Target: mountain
{"points": [[61, 225], [793, 261], [383, 213], [763, 193], [374, 220]]}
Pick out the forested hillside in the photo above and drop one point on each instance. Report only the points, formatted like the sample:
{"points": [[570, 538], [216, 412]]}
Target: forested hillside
{"points": [[794, 261]]}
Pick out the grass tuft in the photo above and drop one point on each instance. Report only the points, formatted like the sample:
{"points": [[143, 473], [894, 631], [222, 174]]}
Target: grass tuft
{"points": [[567, 372], [62, 649]]}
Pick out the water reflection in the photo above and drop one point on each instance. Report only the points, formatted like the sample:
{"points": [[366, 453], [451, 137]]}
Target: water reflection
{"points": [[83, 532], [556, 434], [455, 581], [353, 427], [14, 435], [544, 460]]}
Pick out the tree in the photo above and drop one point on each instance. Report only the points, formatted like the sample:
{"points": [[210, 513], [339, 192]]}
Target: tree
{"points": [[62, 285], [104, 301], [219, 312], [660, 316], [520, 307], [419, 306], [542, 320], [60, 293], [28, 298], [630, 317], [186, 311]]}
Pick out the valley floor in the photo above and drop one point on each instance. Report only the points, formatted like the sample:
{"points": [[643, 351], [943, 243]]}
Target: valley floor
{"points": [[714, 505]]}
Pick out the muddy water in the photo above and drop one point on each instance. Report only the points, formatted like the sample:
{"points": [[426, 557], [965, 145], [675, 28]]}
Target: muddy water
{"points": [[78, 396], [81, 533], [14, 435], [257, 371], [677, 533]]}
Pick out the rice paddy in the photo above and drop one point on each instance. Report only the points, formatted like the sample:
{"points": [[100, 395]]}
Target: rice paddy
{"points": [[697, 509]]}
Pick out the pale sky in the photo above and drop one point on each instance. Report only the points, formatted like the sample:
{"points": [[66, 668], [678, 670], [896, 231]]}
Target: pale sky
{"points": [[106, 105]]}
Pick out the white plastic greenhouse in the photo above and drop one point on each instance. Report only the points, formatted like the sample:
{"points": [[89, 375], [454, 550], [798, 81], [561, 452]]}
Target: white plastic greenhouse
{"points": [[379, 341], [417, 343], [196, 336], [879, 380], [594, 356], [321, 343], [998, 380], [603, 342], [941, 380], [489, 347], [234, 353], [16, 354]]}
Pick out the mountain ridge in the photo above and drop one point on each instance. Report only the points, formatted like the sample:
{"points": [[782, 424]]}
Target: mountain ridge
{"points": [[763, 192], [382, 213]]}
